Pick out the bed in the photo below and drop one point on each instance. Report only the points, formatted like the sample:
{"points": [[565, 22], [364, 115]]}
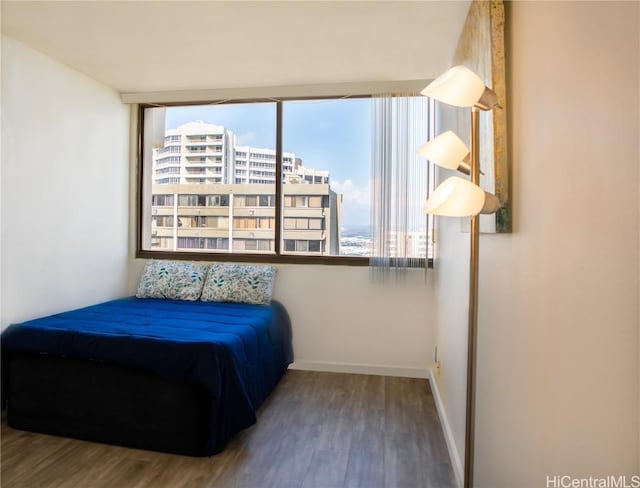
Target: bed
{"points": [[167, 375]]}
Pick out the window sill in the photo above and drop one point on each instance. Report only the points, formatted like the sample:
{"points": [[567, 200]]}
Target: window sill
{"points": [[260, 258]]}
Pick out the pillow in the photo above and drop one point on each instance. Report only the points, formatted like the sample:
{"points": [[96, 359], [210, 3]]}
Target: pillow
{"points": [[178, 280], [239, 283]]}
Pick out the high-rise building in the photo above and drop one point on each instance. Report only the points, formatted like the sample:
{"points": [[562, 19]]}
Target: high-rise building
{"points": [[210, 194]]}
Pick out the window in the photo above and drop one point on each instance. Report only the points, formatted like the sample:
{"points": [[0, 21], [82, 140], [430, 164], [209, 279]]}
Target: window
{"points": [[300, 201], [163, 221], [254, 201], [188, 221], [192, 200], [316, 224], [266, 200], [302, 246], [160, 200], [303, 223], [169, 170], [287, 179], [169, 160], [191, 243], [252, 245], [253, 223]]}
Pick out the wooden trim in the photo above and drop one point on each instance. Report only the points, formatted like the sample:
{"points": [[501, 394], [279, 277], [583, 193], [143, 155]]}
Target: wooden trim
{"points": [[264, 258], [254, 258], [139, 176]]}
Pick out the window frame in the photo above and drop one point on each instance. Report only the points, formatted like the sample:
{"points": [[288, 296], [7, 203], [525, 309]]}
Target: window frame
{"points": [[277, 256]]}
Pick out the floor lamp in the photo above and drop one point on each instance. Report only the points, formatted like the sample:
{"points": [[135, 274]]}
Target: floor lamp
{"points": [[459, 197]]}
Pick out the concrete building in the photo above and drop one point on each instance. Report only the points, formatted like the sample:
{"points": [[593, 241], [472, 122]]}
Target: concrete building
{"points": [[211, 195]]}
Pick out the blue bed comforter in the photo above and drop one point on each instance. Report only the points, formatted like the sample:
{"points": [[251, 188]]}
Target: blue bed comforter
{"points": [[237, 352]]}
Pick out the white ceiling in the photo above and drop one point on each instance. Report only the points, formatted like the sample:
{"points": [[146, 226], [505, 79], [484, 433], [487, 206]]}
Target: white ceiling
{"points": [[177, 45]]}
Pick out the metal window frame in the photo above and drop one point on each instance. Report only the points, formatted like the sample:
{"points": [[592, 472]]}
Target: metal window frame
{"points": [[277, 256]]}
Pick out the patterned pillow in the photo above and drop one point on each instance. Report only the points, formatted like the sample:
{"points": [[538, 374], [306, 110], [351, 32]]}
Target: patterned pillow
{"points": [[172, 279], [239, 283]]}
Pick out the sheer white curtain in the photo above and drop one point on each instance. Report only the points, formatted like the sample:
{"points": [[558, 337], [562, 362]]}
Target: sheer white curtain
{"points": [[399, 185]]}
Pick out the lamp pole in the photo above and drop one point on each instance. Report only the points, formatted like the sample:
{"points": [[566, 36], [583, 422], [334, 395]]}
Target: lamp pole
{"points": [[461, 87], [473, 308]]}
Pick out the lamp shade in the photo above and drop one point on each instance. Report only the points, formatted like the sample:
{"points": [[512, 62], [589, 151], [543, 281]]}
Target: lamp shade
{"points": [[457, 197], [461, 87], [448, 151]]}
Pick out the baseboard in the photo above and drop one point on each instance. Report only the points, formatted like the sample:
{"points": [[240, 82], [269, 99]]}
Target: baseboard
{"points": [[377, 370], [456, 462]]}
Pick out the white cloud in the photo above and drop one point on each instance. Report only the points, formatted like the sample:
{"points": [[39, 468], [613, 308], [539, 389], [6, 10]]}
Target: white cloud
{"points": [[245, 139], [353, 195]]}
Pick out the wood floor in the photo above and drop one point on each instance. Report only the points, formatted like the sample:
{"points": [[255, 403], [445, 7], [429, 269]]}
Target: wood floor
{"points": [[317, 430]]}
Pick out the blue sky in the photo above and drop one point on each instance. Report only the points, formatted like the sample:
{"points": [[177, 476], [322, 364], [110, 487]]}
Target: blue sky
{"points": [[333, 135]]}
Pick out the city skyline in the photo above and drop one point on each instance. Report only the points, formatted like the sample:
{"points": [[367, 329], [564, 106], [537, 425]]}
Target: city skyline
{"points": [[329, 135], [209, 193]]}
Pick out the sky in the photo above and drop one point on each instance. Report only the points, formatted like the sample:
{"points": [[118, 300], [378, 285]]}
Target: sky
{"points": [[333, 135]]}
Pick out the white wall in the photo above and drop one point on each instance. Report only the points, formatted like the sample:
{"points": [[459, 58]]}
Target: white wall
{"points": [[64, 184], [343, 322], [558, 369]]}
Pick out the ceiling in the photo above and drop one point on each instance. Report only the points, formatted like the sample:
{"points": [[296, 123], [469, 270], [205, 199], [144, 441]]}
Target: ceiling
{"points": [[147, 46]]}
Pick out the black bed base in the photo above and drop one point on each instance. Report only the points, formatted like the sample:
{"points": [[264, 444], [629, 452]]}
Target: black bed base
{"points": [[100, 402]]}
